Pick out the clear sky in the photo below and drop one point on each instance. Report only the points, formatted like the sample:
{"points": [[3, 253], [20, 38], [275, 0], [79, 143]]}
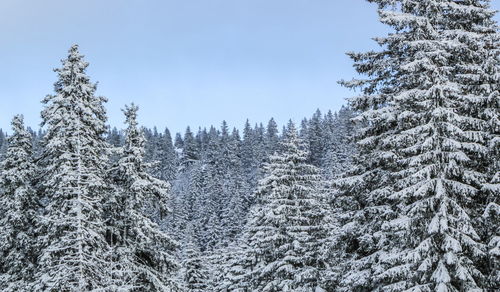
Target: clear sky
{"points": [[187, 62]]}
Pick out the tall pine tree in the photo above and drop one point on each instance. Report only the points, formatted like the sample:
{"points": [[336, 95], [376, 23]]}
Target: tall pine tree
{"points": [[72, 183], [415, 190]]}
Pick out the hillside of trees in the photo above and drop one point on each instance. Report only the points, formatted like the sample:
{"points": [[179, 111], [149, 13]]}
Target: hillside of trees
{"points": [[399, 190]]}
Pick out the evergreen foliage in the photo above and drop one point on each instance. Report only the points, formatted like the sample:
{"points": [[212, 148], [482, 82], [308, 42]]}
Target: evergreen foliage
{"points": [[18, 207], [142, 256], [286, 229], [399, 191], [416, 186], [72, 183]]}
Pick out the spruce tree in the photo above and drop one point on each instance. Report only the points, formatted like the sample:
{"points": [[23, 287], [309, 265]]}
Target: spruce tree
{"points": [[315, 139], [235, 268], [179, 142], [286, 230], [162, 156], [341, 149], [18, 207], [260, 152], [236, 193], [142, 256], [190, 150], [272, 137], [216, 164], [169, 160], [193, 267], [248, 154], [72, 184], [415, 190], [3, 143]]}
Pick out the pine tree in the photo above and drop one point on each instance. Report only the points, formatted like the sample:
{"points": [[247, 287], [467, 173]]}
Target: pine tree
{"points": [[179, 142], [340, 151], [491, 215], [169, 159], [161, 153], [260, 152], [18, 207], [202, 140], [215, 163], [413, 195], [72, 183], [236, 193], [194, 272], [315, 139], [143, 257], [272, 137], [286, 229], [304, 128], [3, 143], [193, 201], [190, 150], [234, 269], [248, 155]]}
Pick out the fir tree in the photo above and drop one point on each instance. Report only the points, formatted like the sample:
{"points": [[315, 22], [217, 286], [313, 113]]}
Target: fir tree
{"points": [[72, 183], [247, 153], [338, 131], [315, 139], [286, 229], [142, 255], [414, 189], [272, 137], [236, 192], [491, 215], [162, 155], [190, 150], [234, 269], [260, 152], [304, 127], [169, 159], [194, 273], [3, 143], [18, 207], [179, 142]]}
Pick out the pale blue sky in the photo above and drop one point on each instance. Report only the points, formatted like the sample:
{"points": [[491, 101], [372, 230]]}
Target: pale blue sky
{"points": [[187, 62]]}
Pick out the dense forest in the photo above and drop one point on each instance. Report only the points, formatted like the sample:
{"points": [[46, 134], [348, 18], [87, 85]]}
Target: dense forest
{"points": [[398, 190]]}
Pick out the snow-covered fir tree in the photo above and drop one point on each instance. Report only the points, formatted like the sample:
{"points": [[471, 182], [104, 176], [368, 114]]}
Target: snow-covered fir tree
{"points": [[3, 143], [178, 142], [234, 266], [413, 195], [18, 207], [72, 184], [209, 218], [237, 191], [250, 165], [287, 228], [142, 256], [272, 137], [190, 150], [161, 152], [315, 138], [194, 272], [339, 144]]}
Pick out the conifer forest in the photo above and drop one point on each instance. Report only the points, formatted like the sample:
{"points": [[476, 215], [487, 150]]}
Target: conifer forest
{"points": [[397, 191]]}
